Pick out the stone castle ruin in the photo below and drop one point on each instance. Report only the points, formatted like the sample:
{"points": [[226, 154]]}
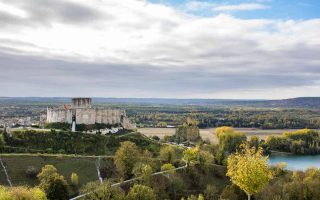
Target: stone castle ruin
{"points": [[82, 112]]}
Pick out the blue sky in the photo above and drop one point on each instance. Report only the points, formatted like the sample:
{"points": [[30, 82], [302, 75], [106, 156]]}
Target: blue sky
{"points": [[254, 49], [277, 9]]}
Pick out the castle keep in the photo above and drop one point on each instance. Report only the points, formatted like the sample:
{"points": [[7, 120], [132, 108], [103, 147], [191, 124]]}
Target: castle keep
{"points": [[83, 112]]}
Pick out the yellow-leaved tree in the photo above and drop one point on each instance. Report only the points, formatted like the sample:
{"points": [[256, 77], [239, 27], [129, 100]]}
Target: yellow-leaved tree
{"points": [[249, 169]]}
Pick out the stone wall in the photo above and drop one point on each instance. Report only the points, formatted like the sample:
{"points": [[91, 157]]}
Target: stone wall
{"points": [[59, 115], [81, 102], [90, 116]]}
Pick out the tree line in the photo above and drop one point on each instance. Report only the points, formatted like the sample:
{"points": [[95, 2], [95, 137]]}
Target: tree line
{"points": [[235, 117]]}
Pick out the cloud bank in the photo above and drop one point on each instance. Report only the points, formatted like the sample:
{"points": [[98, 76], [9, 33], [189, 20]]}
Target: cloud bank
{"points": [[133, 48]]}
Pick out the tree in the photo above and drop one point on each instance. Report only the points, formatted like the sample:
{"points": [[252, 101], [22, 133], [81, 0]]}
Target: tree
{"points": [[249, 170], [211, 192], [21, 193], [141, 192], [229, 142], [102, 191], [74, 179], [190, 155], [168, 167], [2, 142], [144, 171], [168, 154], [232, 192], [126, 157], [223, 129], [229, 139], [54, 185], [205, 159], [254, 141], [32, 172], [193, 197]]}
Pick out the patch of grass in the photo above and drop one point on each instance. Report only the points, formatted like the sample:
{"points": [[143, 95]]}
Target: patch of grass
{"points": [[17, 164]]}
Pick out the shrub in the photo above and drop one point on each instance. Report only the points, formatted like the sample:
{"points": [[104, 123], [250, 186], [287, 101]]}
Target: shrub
{"points": [[74, 179], [32, 172]]}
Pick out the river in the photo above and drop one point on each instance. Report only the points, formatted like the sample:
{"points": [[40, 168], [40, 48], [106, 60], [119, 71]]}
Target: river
{"points": [[296, 162]]}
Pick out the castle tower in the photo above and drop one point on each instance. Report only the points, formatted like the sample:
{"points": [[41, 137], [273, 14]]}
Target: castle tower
{"points": [[81, 103]]}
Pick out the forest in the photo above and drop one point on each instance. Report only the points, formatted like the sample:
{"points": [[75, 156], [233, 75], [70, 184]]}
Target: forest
{"points": [[242, 117]]}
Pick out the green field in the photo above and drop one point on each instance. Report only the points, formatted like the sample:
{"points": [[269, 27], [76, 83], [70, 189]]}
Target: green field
{"points": [[17, 164]]}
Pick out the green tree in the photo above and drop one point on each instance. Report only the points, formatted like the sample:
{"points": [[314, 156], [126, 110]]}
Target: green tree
{"points": [[168, 167], [205, 159], [126, 158], [249, 170], [191, 155], [254, 141], [102, 191], [193, 197], [229, 142], [211, 193], [229, 139], [144, 171], [141, 192], [168, 154], [2, 142], [54, 184]]}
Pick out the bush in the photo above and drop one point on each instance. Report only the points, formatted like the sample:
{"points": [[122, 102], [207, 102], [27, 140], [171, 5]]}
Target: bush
{"points": [[61, 151], [74, 179], [49, 150], [32, 172]]}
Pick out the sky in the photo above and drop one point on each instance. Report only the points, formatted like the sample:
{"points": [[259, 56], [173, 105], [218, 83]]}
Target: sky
{"points": [[238, 49]]}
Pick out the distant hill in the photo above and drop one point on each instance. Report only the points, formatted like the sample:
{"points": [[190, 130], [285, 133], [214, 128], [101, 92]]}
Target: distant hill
{"points": [[300, 102]]}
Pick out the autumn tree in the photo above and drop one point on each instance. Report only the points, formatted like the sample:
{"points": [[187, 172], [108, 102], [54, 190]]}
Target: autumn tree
{"points": [[254, 141], [144, 171], [229, 142], [103, 191], [190, 155], [141, 192], [249, 170], [168, 167], [229, 139], [168, 154], [126, 158], [198, 157], [21, 193], [223, 129], [54, 184]]}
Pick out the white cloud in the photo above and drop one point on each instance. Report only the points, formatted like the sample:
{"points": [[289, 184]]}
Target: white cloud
{"points": [[176, 53], [243, 6], [11, 10]]}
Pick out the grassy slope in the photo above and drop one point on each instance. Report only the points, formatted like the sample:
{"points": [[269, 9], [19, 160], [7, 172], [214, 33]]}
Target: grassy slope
{"points": [[17, 165]]}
